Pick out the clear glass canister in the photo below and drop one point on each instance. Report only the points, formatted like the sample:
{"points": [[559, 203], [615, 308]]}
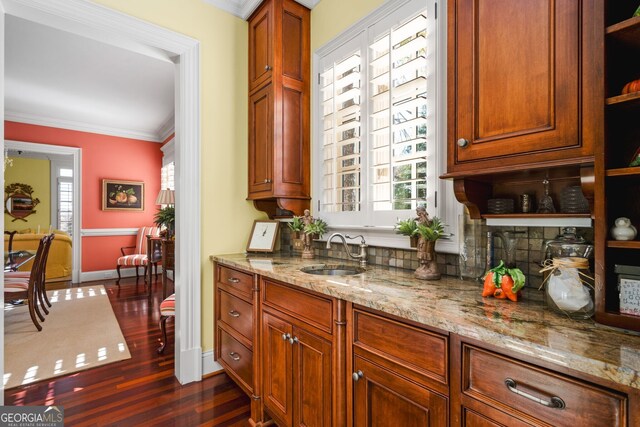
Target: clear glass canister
{"points": [[568, 281]]}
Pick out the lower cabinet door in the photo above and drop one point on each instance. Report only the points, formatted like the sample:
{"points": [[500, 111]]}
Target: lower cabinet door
{"points": [[483, 418], [277, 375], [311, 379], [383, 398]]}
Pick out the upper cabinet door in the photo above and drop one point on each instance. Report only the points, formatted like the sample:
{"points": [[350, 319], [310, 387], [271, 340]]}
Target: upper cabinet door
{"points": [[514, 73], [261, 46]]}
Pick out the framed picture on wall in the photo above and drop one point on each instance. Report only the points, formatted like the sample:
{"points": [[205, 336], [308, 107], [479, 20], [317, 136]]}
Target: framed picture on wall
{"points": [[263, 236], [122, 195]]}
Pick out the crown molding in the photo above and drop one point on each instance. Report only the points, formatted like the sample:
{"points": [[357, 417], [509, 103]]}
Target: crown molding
{"points": [[167, 129], [33, 119], [244, 8]]}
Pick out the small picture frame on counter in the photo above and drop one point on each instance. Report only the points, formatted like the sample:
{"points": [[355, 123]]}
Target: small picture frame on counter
{"points": [[263, 236]]}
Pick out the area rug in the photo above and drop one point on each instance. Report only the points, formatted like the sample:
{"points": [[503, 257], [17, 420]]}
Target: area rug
{"points": [[80, 332]]}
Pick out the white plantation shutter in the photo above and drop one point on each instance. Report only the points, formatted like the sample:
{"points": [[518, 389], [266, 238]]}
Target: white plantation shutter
{"points": [[380, 109], [341, 135]]}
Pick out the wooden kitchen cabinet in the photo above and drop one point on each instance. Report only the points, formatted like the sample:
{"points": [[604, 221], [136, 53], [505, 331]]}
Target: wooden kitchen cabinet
{"points": [[399, 372], [279, 110], [618, 184], [497, 389], [521, 98], [299, 379]]}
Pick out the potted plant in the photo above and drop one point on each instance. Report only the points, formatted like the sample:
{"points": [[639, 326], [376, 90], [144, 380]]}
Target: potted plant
{"points": [[428, 232], [316, 229], [166, 217], [313, 229], [407, 227], [297, 229]]}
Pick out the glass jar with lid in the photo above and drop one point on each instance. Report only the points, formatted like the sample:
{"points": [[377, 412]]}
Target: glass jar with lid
{"points": [[568, 281]]}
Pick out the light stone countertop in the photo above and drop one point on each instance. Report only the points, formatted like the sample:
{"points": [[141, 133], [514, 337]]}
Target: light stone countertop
{"points": [[456, 306]]}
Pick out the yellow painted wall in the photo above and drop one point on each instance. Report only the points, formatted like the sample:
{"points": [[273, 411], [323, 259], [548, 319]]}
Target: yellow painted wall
{"points": [[331, 17], [36, 173], [226, 216]]}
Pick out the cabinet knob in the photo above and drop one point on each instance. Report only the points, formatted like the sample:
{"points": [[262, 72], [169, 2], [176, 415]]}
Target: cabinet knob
{"points": [[267, 67], [357, 375], [267, 181], [235, 356], [234, 313], [286, 337], [463, 142], [293, 340]]}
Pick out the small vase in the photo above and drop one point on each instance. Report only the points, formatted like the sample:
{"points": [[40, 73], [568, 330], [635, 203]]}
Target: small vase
{"points": [[428, 269]]}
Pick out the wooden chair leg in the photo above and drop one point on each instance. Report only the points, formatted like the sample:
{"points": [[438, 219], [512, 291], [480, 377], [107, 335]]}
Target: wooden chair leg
{"points": [[145, 274], [44, 293], [32, 313], [119, 277], [137, 277], [40, 293], [163, 328]]}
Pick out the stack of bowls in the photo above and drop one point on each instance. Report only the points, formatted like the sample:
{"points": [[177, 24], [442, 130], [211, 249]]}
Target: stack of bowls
{"points": [[573, 201], [500, 206]]}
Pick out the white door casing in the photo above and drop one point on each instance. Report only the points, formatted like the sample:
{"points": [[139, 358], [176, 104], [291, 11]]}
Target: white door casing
{"points": [[100, 23]]}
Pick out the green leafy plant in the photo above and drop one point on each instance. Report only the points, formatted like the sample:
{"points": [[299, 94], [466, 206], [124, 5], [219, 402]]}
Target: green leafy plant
{"points": [[296, 224], [431, 232], [406, 227], [317, 227], [167, 217]]}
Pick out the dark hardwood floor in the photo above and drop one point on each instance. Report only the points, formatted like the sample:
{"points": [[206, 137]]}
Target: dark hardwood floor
{"points": [[141, 391]]}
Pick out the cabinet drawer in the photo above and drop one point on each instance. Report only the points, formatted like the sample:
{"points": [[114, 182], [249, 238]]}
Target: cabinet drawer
{"points": [[236, 313], [238, 358], [531, 389], [236, 280], [313, 309], [422, 351]]}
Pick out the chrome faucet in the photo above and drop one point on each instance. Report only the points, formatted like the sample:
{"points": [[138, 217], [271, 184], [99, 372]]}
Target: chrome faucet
{"points": [[362, 256]]}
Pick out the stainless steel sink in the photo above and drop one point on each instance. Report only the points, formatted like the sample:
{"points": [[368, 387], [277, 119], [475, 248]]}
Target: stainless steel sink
{"points": [[332, 270]]}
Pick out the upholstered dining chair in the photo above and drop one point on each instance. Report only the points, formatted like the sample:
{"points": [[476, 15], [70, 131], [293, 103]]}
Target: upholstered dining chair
{"points": [[139, 256], [30, 288], [10, 243], [167, 310]]}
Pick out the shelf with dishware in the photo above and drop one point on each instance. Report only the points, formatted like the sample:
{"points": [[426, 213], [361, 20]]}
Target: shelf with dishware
{"points": [[617, 167]]}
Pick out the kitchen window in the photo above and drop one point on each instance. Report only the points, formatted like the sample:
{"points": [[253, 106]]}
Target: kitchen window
{"points": [[380, 128]]}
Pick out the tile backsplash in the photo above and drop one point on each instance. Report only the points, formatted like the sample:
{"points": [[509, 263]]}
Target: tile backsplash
{"points": [[472, 263]]}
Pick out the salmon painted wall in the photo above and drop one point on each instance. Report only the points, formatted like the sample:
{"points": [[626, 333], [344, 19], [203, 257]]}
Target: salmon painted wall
{"points": [[103, 156]]}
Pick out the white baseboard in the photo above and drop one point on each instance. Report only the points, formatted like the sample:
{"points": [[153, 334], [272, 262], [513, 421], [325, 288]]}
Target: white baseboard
{"points": [[209, 366], [90, 276]]}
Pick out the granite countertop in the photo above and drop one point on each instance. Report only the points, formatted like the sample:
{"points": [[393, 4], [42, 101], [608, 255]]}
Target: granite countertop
{"points": [[456, 306]]}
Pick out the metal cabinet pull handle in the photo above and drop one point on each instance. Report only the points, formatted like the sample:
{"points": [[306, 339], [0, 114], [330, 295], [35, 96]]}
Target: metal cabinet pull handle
{"points": [[234, 313], [554, 402], [235, 356], [286, 337], [267, 67], [267, 181], [357, 375], [293, 340], [462, 142], [233, 280]]}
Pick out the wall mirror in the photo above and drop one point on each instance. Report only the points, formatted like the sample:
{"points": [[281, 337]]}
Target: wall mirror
{"points": [[19, 201]]}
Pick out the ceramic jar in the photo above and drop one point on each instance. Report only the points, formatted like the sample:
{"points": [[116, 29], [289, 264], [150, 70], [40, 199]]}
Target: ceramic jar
{"points": [[623, 230]]}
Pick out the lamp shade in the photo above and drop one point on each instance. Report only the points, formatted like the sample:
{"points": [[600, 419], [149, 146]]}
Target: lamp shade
{"points": [[166, 197]]}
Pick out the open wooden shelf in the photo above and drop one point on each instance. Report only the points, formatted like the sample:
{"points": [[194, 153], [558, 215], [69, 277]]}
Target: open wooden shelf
{"points": [[623, 244], [624, 171], [627, 31], [627, 100]]}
